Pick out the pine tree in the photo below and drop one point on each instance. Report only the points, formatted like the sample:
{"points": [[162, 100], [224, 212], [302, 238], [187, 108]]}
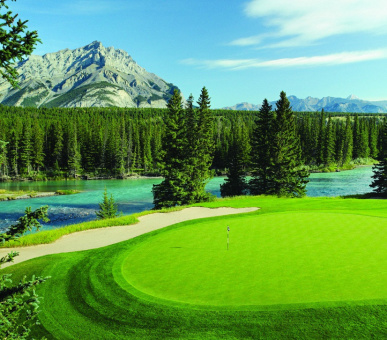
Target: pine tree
{"points": [[287, 173], [205, 147], [347, 142], [235, 184], [329, 144], [356, 139], [362, 139], [74, 155], [107, 208], [14, 151], [261, 151], [37, 146], [26, 148], [321, 138], [15, 42], [172, 190], [3, 157], [380, 169], [373, 138]]}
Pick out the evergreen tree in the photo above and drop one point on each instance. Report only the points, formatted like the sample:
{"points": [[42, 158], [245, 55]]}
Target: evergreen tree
{"points": [[373, 138], [26, 148], [287, 172], [172, 190], [74, 155], [204, 147], [356, 139], [107, 208], [362, 141], [13, 152], [235, 184], [380, 169], [320, 139], [261, 151], [3, 157], [15, 42], [37, 146], [19, 303], [199, 148], [329, 144], [347, 142]]}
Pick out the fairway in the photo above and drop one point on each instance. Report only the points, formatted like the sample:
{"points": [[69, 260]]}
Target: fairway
{"points": [[278, 258]]}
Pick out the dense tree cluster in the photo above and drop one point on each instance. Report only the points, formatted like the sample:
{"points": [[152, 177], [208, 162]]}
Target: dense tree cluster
{"points": [[117, 141], [187, 152], [277, 164]]}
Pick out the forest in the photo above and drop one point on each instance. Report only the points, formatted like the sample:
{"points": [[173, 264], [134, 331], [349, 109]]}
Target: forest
{"points": [[116, 142]]}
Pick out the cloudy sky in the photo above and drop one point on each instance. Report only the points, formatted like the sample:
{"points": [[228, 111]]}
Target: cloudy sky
{"points": [[242, 51]]}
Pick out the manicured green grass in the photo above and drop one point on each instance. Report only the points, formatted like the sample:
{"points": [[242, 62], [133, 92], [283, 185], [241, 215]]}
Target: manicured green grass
{"points": [[321, 262], [277, 258]]}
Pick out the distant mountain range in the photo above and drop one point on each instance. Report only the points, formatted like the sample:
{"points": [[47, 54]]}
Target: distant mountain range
{"points": [[329, 104], [88, 76]]}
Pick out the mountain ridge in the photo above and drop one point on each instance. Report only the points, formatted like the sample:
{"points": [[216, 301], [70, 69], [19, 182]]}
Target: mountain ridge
{"points": [[69, 78], [329, 104]]}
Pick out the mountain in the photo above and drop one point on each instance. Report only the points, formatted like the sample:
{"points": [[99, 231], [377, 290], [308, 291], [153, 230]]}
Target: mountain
{"points": [[88, 76], [329, 104]]}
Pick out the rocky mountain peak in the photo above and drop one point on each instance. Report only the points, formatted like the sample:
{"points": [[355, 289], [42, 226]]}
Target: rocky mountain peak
{"points": [[43, 79]]}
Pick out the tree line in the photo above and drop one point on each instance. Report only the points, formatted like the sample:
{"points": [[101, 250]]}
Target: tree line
{"points": [[59, 143]]}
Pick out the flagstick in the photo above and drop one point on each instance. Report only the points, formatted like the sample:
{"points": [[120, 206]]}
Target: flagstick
{"points": [[228, 230]]}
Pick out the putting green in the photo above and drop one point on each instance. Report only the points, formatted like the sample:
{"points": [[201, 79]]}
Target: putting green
{"points": [[277, 258]]}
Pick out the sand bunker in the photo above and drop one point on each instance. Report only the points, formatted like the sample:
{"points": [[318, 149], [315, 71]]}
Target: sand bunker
{"points": [[96, 238]]}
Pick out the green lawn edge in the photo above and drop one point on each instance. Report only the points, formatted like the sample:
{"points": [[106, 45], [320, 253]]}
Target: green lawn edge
{"points": [[272, 203]]}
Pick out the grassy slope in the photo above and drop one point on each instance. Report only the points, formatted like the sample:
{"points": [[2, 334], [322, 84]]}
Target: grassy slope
{"points": [[88, 294]]}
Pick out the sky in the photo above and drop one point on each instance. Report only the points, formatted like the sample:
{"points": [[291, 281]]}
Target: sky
{"points": [[241, 51]]}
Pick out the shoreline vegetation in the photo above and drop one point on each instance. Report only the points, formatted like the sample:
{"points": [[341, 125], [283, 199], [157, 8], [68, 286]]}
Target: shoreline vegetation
{"points": [[9, 195], [311, 168]]}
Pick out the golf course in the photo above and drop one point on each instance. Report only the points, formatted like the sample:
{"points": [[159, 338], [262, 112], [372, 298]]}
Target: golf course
{"points": [[294, 268]]}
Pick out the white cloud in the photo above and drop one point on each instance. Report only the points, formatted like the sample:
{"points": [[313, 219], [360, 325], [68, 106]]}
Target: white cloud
{"points": [[303, 22], [324, 60]]}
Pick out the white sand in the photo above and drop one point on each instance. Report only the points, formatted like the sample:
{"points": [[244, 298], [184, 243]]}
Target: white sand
{"points": [[96, 238]]}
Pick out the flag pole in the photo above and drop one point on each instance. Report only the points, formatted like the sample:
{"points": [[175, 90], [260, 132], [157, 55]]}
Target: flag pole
{"points": [[228, 230]]}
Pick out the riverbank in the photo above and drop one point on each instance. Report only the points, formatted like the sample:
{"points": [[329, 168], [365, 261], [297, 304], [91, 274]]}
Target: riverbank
{"points": [[41, 177], [6, 195], [44, 177]]}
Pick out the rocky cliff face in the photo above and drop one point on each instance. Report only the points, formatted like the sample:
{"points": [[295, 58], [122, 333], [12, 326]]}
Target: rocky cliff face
{"points": [[329, 104], [88, 76]]}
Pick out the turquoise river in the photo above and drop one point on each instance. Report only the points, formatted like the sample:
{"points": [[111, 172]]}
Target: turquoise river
{"points": [[135, 195]]}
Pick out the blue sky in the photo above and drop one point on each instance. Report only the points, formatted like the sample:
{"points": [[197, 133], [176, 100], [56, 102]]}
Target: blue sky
{"points": [[242, 51]]}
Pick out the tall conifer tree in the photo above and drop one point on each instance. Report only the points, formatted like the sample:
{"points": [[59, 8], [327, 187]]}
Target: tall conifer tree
{"points": [[26, 147], [205, 146], [329, 143], [171, 191], [261, 151], [347, 142], [320, 139], [235, 183], [288, 174], [380, 169]]}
